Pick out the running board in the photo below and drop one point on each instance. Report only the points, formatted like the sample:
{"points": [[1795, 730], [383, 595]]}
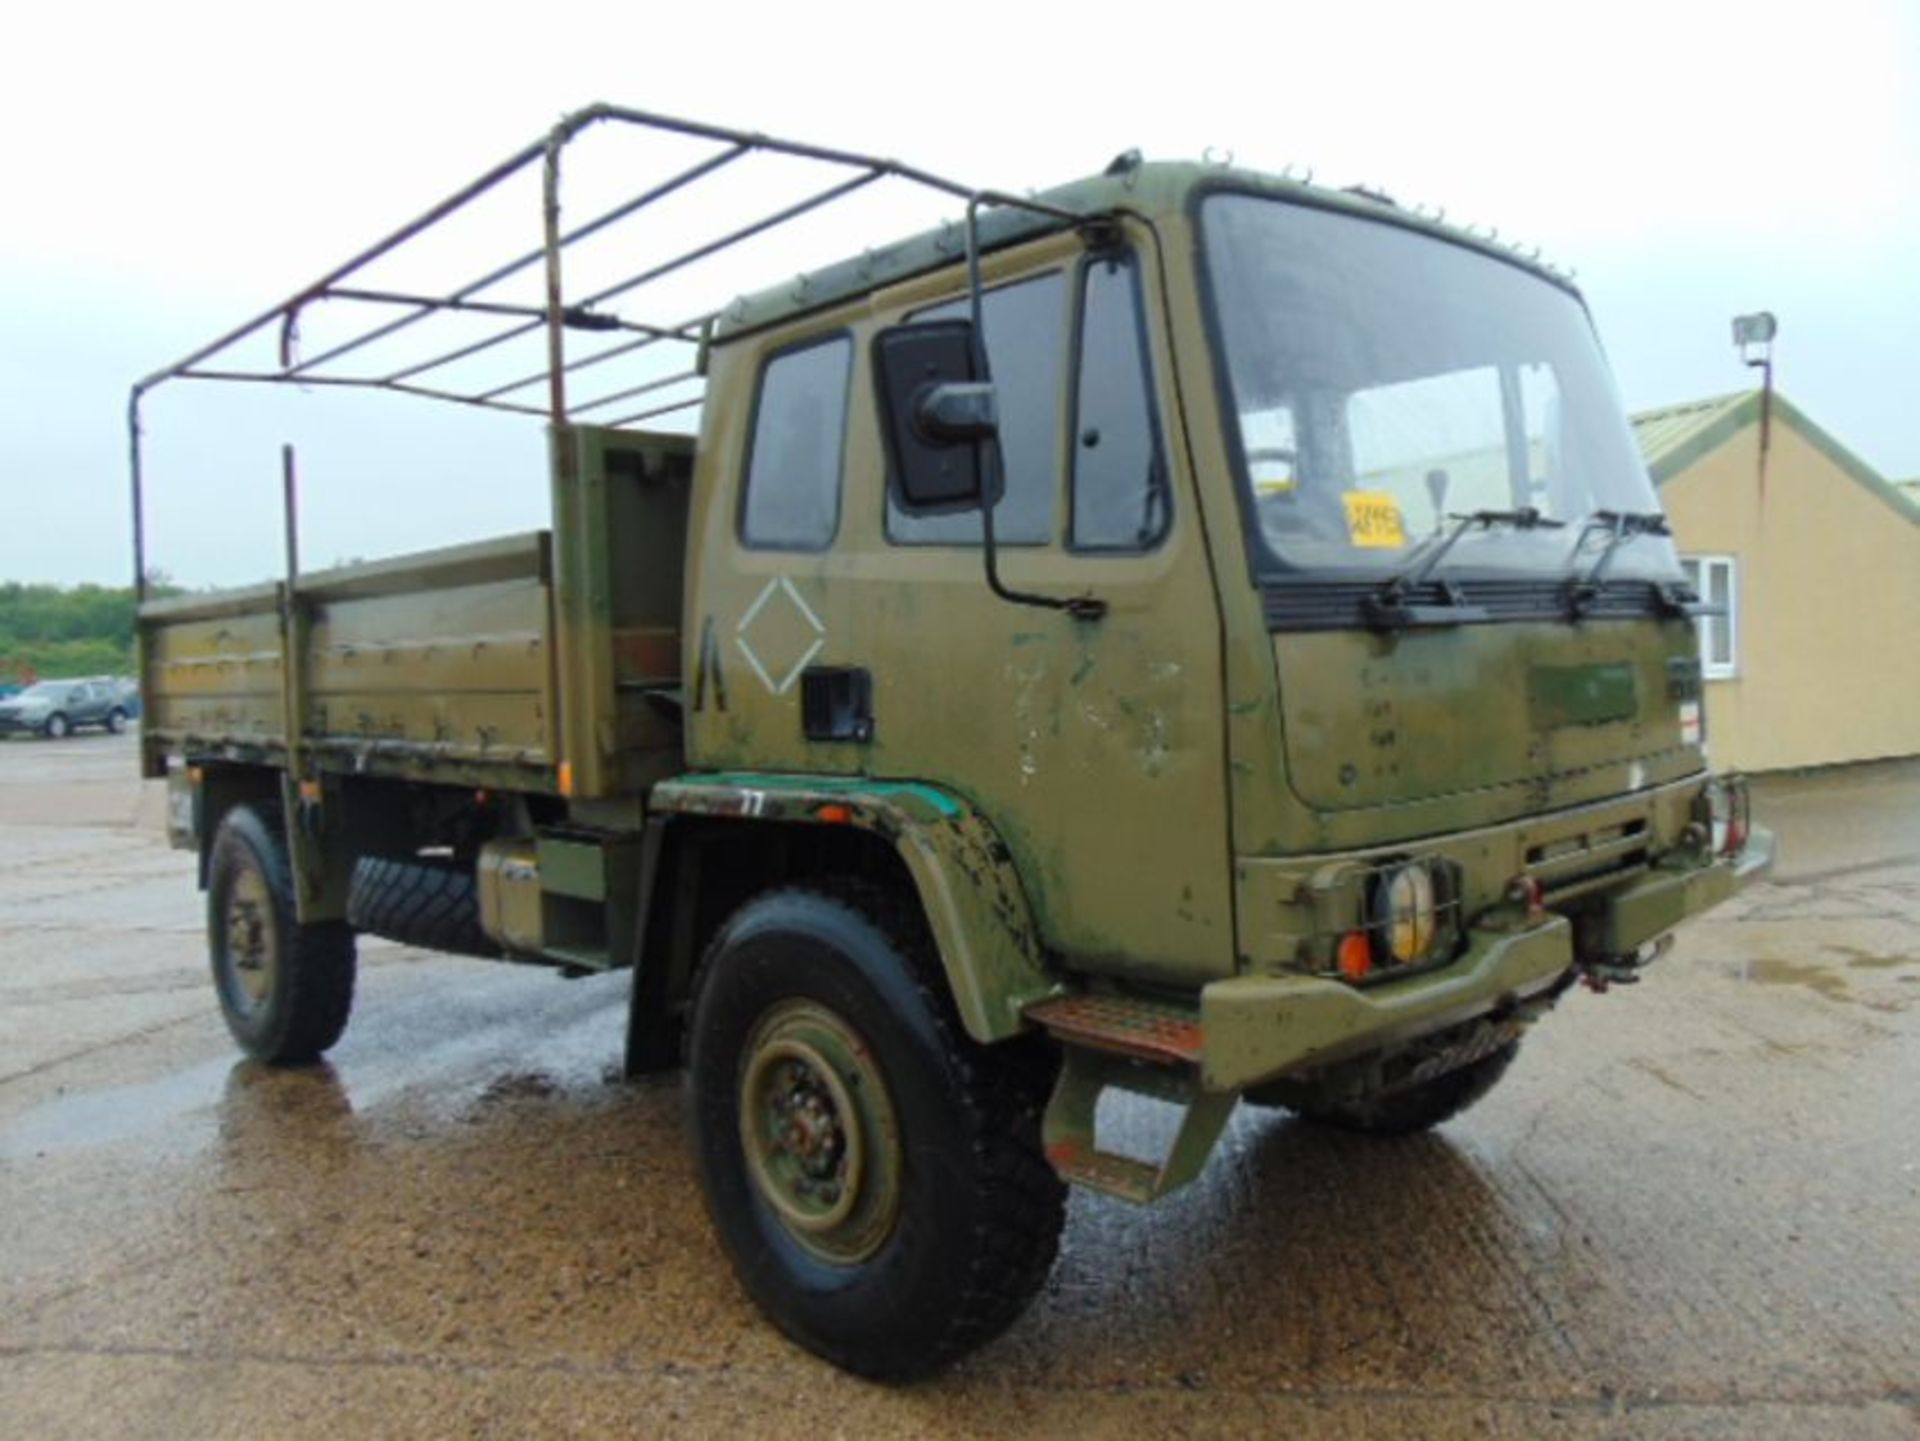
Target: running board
{"points": [[1145, 1048], [1145, 1030]]}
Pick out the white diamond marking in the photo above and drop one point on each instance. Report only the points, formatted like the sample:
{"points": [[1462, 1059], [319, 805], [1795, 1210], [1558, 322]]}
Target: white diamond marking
{"points": [[785, 683]]}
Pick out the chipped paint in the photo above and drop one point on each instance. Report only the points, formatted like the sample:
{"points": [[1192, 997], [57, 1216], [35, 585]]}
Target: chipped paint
{"points": [[969, 887], [1154, 748]]}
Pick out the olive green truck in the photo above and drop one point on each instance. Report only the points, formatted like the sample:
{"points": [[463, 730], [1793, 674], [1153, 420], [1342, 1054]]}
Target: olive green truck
{"points": [[1189, 633]]}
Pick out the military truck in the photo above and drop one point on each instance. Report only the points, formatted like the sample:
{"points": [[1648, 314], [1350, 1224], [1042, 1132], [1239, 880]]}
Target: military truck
{"points": [[1189, 633]]}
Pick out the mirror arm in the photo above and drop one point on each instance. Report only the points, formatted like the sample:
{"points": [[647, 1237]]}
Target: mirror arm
{"points": [[1080, 607]]}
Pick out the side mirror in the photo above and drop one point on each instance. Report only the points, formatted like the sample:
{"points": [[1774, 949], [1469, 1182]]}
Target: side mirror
{"points": [[937, 414]]}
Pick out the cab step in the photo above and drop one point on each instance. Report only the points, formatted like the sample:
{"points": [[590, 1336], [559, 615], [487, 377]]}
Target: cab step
{"points": [[1148, 1048], [1156, 1031]]}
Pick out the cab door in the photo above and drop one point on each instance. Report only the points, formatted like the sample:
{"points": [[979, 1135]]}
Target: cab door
{"points": [[1110, 772], [1094, 746]]}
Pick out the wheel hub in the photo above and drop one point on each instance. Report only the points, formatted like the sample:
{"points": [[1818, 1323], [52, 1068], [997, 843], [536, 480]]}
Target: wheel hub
{"points": [[818, 1132], [250, 938]]}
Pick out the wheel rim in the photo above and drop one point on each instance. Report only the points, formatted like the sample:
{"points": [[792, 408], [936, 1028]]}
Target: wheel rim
{"points": [[819, 1133], [250, 952], [57, 727]]}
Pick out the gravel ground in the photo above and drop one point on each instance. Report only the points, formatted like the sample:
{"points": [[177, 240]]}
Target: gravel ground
{"points": [[1692, 1209]]}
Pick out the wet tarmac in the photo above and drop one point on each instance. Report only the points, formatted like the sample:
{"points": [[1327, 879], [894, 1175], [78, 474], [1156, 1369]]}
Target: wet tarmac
{"points": [[1692, 1209]]}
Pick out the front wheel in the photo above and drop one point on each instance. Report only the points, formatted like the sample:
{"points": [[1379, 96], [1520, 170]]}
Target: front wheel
{"points": [[876, 1177], [1402, 1111], [285, 989], [57, 728]]}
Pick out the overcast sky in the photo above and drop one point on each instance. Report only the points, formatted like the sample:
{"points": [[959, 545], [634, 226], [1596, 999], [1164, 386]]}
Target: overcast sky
{"points": [[174, 169]]}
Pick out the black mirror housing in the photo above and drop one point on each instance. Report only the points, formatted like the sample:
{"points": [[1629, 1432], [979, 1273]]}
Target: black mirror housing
{"points": [[957, 412], [938, 415]]}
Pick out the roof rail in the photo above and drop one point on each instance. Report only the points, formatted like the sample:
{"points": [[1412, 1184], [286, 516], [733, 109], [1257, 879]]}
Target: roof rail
{"points": [[559, 313]]}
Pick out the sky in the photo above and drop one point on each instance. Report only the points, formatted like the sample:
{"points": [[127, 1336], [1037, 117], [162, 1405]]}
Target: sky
{"points": [[177, 169]]}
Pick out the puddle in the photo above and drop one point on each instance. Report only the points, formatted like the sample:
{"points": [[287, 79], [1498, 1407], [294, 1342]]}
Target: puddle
{"points": [[180, 1114], [519, 1085], [1860, 960], [1795, 973], [227, 1099], [175, 1113], [1825, 980]]}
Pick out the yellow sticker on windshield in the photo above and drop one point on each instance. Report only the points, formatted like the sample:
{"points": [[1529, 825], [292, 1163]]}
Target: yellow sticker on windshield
{"points": [[1373, 520]]}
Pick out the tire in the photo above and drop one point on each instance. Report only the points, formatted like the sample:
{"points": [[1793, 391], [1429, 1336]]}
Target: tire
{"points": [[116, 722], [57, 727], [908, 1215], [285, 989], [1413, 1108], [433, 907]]}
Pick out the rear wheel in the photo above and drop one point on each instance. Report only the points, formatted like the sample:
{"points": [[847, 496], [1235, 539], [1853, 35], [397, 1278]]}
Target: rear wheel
{"points": [[116, 722], [285, 989], [875, 1176]]}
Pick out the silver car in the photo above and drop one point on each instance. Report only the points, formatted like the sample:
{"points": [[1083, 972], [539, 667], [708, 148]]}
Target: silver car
{"points": [[56, 708]]}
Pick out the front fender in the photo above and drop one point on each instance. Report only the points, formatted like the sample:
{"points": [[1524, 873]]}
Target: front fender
{"points": [[969, 889]]}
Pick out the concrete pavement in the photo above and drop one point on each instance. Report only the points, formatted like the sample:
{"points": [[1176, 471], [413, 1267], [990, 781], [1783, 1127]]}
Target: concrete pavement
{"points": [[1692, 1209]]}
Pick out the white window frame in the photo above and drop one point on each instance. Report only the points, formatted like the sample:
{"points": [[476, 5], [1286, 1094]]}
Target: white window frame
{"points": [[1710, 669]]}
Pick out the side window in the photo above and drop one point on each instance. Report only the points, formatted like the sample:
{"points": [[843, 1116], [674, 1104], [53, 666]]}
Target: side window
{"points": [[1120, 484], [1714, 579], [1026, 325], [792, 495]]}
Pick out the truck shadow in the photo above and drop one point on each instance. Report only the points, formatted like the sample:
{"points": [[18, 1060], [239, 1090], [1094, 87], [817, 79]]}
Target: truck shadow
{"points": [[541, 1215], [1306, 1257]]}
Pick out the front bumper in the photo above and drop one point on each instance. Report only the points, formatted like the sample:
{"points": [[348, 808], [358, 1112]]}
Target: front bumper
{"points": [[21, 725], [1661, 900], [1257, 1028]]}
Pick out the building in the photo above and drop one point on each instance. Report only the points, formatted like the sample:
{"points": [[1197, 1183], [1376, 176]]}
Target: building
{"points": [[1817, 559]]}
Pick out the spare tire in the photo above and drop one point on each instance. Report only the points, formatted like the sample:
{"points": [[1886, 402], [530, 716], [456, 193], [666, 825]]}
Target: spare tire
{"points": [[418, 903]]}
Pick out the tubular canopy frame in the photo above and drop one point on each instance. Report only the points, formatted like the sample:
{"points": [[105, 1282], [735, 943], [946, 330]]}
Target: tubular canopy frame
{"points": [[559, 313]]}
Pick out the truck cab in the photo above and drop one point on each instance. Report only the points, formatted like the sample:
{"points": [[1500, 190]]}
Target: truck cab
{"points": [[1384, 589], [1189, 633]]}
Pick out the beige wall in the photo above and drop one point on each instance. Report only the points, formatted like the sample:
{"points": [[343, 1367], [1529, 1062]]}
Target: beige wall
{"points": [[1829, 606]]}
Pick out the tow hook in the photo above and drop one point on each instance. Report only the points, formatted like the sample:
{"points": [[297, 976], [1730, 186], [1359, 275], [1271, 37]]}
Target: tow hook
{"points": [[1597, 975]]}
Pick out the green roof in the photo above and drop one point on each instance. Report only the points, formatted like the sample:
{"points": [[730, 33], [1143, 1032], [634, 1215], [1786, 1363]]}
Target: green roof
{"points": [[1675, 436]]}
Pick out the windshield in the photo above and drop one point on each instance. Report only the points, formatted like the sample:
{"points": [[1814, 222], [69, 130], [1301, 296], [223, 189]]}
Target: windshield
{"points": [[1382, 380], [44, 690]]}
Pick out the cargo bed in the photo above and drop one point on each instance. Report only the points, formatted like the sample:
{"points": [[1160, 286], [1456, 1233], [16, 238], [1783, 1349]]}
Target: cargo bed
{"points": [[450, 665]]}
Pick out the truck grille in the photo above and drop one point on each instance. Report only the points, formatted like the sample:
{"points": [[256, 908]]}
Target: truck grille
{"points": [[1571, 865]]}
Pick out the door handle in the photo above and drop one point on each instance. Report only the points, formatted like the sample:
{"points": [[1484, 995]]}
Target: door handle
{"points": [[836, 703]]}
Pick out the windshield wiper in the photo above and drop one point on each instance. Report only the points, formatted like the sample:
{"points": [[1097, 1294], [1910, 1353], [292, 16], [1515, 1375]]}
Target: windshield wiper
{"points": [[1388, 607], [1622, 526]]}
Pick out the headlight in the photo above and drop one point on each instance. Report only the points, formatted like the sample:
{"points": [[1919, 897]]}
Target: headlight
{"points": [[1387, 917], [1405, 914]]}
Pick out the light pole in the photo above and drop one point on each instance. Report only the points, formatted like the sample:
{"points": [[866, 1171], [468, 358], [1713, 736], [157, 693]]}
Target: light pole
{"points": [[1753, 336]]}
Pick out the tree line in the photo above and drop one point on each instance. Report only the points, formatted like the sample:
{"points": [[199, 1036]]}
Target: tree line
{"points": [[49, 632]]}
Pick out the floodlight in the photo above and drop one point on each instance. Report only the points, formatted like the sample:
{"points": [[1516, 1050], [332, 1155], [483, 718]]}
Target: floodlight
{"points": [[1756, 329]]}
